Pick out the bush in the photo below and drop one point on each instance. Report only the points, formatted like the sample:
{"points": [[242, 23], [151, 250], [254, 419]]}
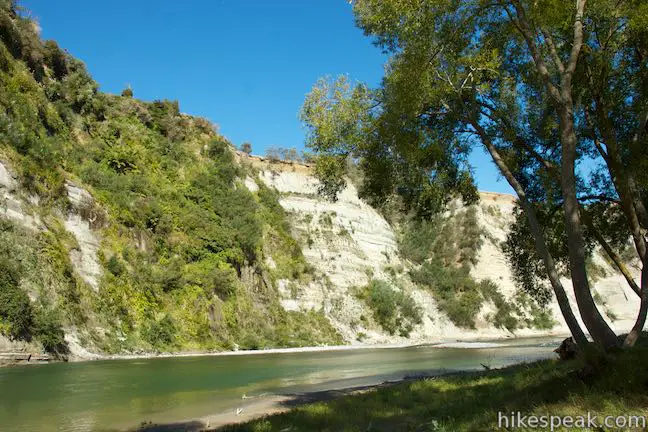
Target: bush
{"points": [[456, 293], [127, 92], [115, 266], [394, 310], [453, 240], [47, 329], [160, 333], [16, 313], [246, 148], [504, 317]]}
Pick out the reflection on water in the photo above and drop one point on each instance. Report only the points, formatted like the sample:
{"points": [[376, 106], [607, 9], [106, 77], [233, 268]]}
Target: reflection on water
{"points": [[109, 395]]}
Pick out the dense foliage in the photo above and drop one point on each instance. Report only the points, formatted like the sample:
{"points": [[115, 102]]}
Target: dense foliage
{"points": [[19, 318], [395, 311]]}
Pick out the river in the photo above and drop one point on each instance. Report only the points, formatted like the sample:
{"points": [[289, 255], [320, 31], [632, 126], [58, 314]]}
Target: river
{"points": [[120, 394]]}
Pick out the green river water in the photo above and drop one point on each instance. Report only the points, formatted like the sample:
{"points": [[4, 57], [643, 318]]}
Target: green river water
{"points": [[121, 394]]}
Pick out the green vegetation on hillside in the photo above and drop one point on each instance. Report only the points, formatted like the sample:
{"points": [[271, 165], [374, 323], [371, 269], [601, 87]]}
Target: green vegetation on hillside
{"points": [[472, 401], [445, 248], [31, 264], [183, 241], [395, 311]]}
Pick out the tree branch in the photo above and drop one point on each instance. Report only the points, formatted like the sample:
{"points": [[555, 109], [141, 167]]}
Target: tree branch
{"points": [[578, 39], [523, 27], [554, 52], [598, 198]]}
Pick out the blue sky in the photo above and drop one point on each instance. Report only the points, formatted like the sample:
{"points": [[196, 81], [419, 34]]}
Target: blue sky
{"points": [[245, 65]]}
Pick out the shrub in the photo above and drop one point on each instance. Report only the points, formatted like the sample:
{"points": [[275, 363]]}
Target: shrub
{"points": [[16, 312], [394, 310], [56, 59], [127, 92], [213, 275], [160, 333], [456, 293], [47, 329], [122, 158], [115, 266], [246, 148], [217, 147], [454, 240], [504, 317]]}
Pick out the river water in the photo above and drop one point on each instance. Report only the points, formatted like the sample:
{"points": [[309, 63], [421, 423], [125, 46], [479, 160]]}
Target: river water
{"points": [[121, 394]]}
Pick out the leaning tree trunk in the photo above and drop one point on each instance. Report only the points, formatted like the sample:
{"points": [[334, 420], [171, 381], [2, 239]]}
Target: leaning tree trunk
{"points": [[596, 325], [631, 205], [643, 311], [538, 237]]}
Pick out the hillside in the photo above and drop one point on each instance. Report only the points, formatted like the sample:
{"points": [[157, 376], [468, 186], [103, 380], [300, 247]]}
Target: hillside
{"points": [[126, 224], [129, 227]]}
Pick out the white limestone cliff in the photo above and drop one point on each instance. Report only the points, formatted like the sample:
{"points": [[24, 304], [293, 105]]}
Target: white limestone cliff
{"points": [[349, 242]]}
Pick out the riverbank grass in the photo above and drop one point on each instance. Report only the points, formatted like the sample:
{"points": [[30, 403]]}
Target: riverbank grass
{"points": [[616, 385]]}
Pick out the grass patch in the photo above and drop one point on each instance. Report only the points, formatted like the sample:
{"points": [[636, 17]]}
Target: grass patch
{"points": [[471, 402]]}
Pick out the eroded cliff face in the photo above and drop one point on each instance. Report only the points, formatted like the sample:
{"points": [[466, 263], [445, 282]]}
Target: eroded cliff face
{"points": [[24, 210], [349, 243]]}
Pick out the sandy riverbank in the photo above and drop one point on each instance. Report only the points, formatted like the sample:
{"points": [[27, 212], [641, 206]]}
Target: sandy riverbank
{"points": [[253, 408]]}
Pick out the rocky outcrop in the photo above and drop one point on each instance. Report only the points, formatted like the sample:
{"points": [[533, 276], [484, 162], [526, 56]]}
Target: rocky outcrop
{"points": [[84, 259], [11, 204]]}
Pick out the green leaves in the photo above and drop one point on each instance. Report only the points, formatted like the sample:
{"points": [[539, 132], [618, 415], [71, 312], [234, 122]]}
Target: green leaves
{"points": [[16, 313], [330, 171], [395, 311], [336, 115]]}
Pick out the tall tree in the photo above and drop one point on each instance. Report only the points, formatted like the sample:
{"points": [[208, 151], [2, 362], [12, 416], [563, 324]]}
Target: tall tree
{"points": [[524, 80]]}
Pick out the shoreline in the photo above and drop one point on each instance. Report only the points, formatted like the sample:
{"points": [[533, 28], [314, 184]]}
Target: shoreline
{"points": [[467, 343], [266, 406]]}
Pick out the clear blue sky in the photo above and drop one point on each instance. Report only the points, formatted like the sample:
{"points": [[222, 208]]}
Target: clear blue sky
{"points": [[245, 65]]}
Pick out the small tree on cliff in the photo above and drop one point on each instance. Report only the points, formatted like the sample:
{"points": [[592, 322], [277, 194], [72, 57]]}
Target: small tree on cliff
{"points": [[246, 148]]}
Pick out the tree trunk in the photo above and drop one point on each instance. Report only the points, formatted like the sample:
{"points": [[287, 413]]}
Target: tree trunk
{"points": [[596, 325], [643, 311], [622, 179], [616, 259], [538, 237]]}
